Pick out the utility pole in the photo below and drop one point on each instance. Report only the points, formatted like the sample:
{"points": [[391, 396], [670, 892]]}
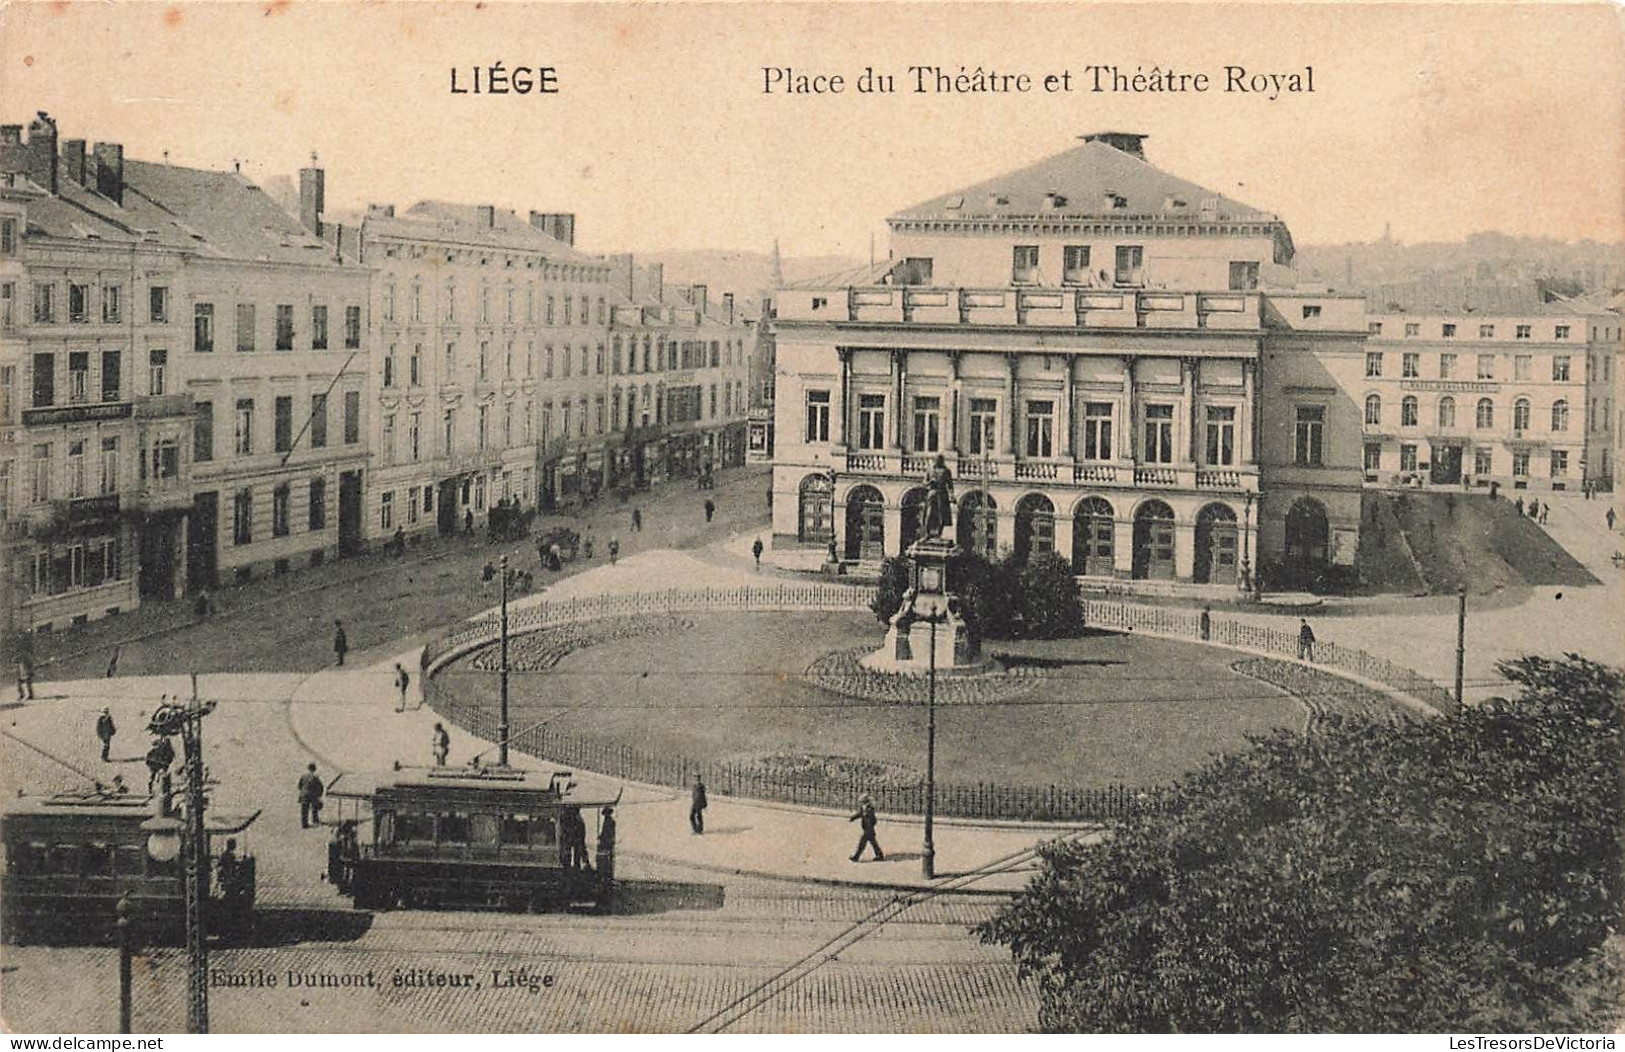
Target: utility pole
{"points": [[502, 728], [187, 722], [1461, 640], [124, 964], [928, 855]]}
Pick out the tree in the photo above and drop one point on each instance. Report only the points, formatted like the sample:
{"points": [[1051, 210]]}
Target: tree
{"points": [[1458, 873], [894, 581], [1047, 598]]}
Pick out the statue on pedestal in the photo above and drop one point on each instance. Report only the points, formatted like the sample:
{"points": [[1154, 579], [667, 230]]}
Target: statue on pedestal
{"points": [[939, 499]]}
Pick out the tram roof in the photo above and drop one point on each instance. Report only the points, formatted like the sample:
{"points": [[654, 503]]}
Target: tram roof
{"points": [[466, 782], [135, 807]]}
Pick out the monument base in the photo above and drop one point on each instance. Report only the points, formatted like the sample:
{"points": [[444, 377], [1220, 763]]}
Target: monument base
{"points": [[929, 611]]}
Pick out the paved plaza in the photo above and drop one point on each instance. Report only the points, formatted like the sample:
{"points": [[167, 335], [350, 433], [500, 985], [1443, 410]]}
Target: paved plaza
{"points": [[757, 902]]}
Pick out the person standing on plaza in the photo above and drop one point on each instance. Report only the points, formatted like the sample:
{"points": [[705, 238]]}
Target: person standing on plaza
{"points": [[1205, 623], [606, 845], [105, 729], [402, 682], [710, 508], [614, 550], [1545, 510], [1519, 505], [866, 818], [310, 798], [341, 642], [1306, 640], [770, 500], [756, 550], [1610, 518], [25, 676], [696, 806], [637, 520], [441, 745]]}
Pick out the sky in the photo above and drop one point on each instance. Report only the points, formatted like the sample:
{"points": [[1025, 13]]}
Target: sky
{"points": [[1442, 120]]}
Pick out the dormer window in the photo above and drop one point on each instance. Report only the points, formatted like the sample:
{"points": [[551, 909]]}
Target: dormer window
{"points": [[1311, 310], [996, 199], [956, 203]]}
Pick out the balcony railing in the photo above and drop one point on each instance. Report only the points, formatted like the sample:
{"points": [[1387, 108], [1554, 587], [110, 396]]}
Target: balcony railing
{"points": [[1095, 473], [1209, 478], [974, 469], [1037, 471], [1067, 307], [868, 463], [1156, 477]]}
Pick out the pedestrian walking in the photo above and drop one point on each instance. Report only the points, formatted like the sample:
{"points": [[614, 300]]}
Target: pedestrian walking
{"points": [[696, 806], [867, 820], [159, 757], [1519, 504], [468, 521], [397, 543], [1205, 623], [586, 548], [105, 729], [1306, 640], [1545, 510], [710, 508], [555, 558], [614, 550], [756, 550], [637, 520], [442, 745], [341, 642], [310, 798], [201, 605], [770, 499], [1534, 510], [1610, 518], [606, 845], [402, 681], [25, 677]]}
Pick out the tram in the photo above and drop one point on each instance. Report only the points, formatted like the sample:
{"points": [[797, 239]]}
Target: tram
{"points": [[489, 837], [70, 858]]}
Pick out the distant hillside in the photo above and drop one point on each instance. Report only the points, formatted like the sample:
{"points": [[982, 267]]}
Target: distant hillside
{"points": [[1571, 267], [745, 274]]}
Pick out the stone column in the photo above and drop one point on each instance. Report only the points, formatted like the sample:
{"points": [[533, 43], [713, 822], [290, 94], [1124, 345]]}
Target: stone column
{"points": [[1184, 550], [1123, 539], [1064, 424], [1249, 412], [1013, 365], [954, 409], [899, 368], [844, 410], [893, 521], [1129, 443], [1193, 391]]}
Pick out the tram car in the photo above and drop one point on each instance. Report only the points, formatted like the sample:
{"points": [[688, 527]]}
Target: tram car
{"points": [[471, 838], [71, 857]]}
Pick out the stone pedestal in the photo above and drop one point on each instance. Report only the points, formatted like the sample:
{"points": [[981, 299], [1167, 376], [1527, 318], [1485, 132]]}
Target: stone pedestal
{"points": [[928, 609]]}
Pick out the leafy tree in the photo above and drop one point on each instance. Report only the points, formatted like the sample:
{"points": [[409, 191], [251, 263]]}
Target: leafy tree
{"points": [[1047, 599], [894, 581], [1408, 875]]}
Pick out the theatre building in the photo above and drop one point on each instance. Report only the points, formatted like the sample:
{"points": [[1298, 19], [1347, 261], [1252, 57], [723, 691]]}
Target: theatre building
{"points": [[1090, 345]]}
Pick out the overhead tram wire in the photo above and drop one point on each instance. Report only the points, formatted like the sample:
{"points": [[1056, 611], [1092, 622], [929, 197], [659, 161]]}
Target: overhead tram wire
{"points": [[86, 775]]}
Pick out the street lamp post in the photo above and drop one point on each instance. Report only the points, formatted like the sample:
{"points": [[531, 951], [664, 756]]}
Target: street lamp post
{"points": [[1247, 544], [1461, 639], [124, 964], [928, 855], [502, 727]]}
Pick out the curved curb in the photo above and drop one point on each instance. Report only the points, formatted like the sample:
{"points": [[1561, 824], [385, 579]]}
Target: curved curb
{"points": [[827, 882]]}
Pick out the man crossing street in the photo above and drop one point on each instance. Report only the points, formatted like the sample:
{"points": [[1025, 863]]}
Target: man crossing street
{"points": [[310, 798], [1306, 640], [696, 806], [341, 643], [105, 730], [867, 820]]}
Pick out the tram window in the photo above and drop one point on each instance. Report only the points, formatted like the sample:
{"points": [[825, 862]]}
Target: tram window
{"points": [[385, 822], [129, 860], [544, 832], [453, 829], [97, 860], [157, 868], [28, 859], [516, 830], [409, 828], [485, 830], [65, 858]]}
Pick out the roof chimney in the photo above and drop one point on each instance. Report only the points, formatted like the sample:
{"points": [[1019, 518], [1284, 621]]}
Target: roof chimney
{"points": [[41, 157], [383, 211], [657, 280], [1128, 142], [110, 171], [698, 295], [560, 226], [488, 216], [728, 306], [312, 197], [73, 160]]}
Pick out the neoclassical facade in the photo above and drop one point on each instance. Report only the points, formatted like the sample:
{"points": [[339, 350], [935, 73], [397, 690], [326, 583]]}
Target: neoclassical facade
{"points": [[1086, 344]]}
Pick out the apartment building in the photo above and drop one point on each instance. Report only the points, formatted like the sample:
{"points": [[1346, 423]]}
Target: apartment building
{"points": [[1088, 342], [680, 383], [1469, 386]]}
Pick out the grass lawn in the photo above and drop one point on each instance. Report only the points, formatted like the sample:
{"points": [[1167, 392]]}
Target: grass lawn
{"points": [[1109, 708]]}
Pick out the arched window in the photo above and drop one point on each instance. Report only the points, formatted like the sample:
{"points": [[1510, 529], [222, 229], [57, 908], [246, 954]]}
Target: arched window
{"points": [[1407, 411], [1447, 412], [1560, 415], [1373, 410], [1486, 413], [1520, 415]]}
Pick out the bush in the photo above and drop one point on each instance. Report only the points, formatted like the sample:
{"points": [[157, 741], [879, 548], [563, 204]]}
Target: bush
{"points": [[1047, 601], [1451, 874], [894, 580]]}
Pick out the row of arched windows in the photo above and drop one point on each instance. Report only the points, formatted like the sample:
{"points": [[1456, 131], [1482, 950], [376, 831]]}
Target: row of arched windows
{"points": [[1483, 415]]}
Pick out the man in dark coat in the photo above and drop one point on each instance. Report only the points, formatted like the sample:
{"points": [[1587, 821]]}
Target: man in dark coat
{"points": [[866, 818], [696, 806], [159, 757], [1306, 640], [310, 798], [105, 730], [606, 845], [341, 643]]}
